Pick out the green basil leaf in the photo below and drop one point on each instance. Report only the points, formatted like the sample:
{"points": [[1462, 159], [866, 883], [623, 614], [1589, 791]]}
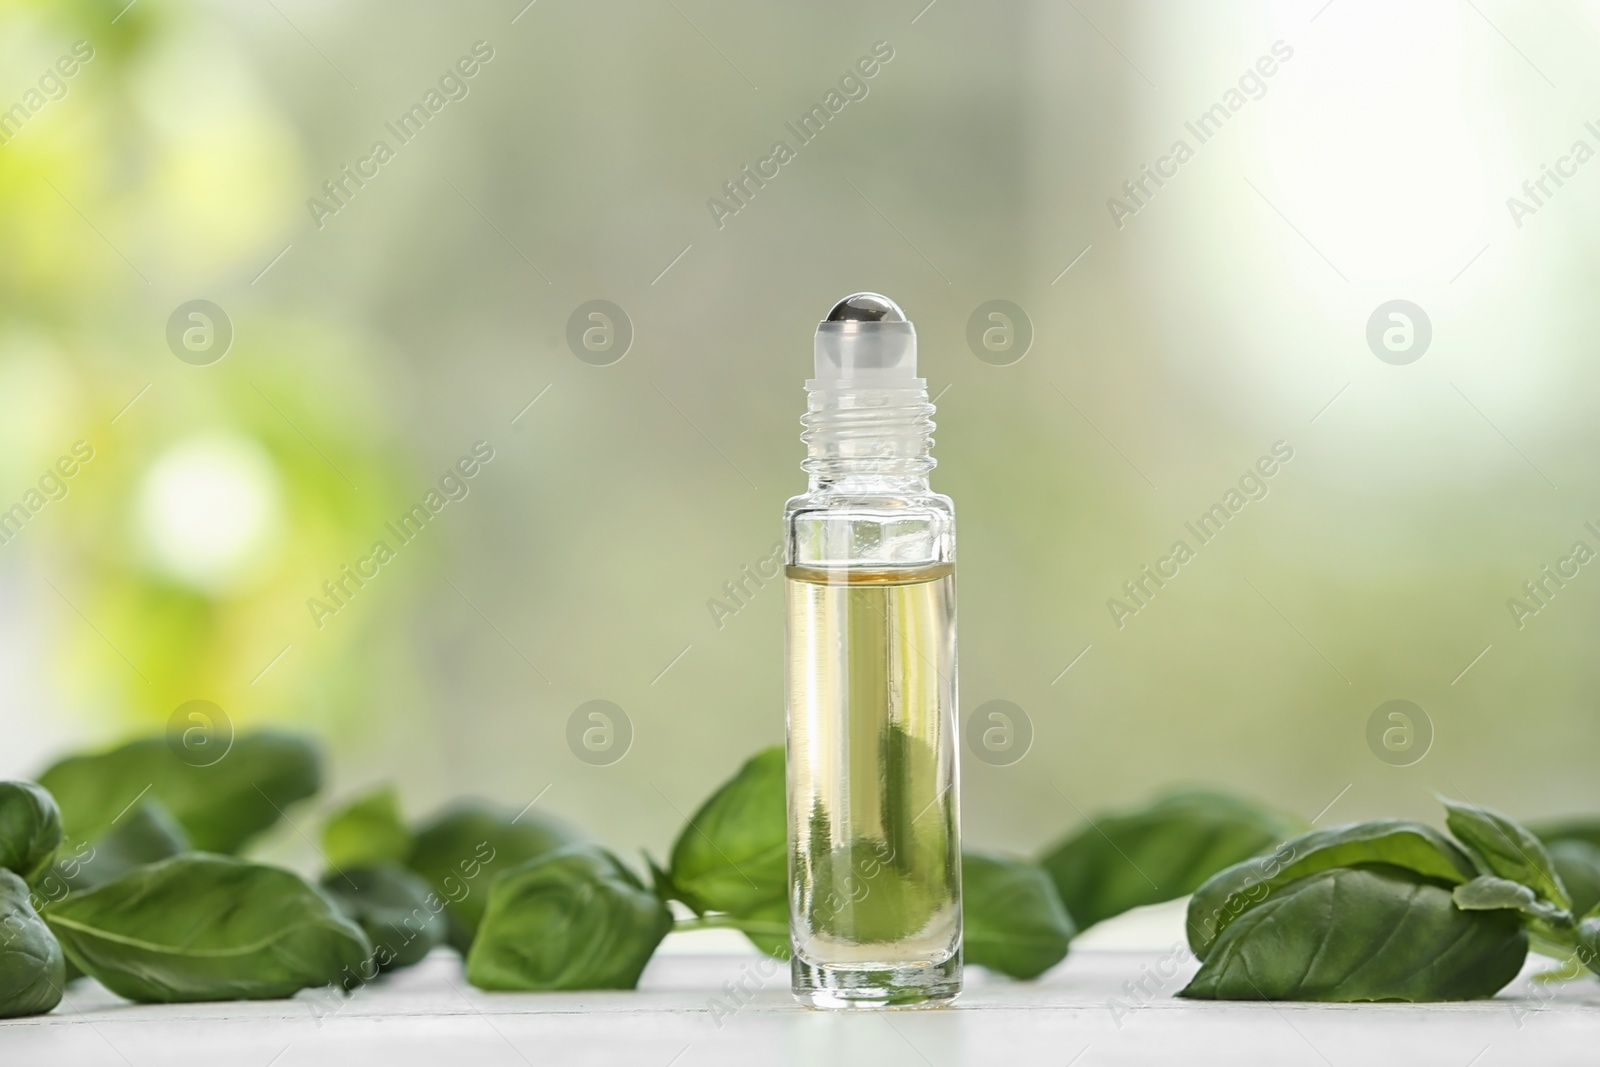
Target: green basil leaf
{"points": [[1012, 918], [455, 849], [575, 919], [221, 807], [733, 856], [401, 916], [1488, 893], [1577, 862], [207, 927], [32, 970], [145, 834], [1397, 842], [1358, 934], [367, 831], [1160, 852], [1502, 847], [30, 828]]}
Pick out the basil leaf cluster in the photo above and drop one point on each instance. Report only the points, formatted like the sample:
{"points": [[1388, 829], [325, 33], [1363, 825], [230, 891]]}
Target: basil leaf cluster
{"points": [[101, 876], [1385, 910], [528, 903], [123, 865]]}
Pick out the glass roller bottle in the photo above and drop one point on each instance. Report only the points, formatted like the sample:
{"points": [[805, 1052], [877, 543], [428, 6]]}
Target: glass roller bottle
{"points": [[873, 782]]}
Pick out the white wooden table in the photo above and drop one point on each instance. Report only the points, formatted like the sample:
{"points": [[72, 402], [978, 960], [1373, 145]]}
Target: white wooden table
{"points": [[683, 1016]]}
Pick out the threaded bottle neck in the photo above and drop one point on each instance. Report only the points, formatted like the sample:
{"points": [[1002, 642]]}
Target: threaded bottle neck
{"points": [[867, 440]]}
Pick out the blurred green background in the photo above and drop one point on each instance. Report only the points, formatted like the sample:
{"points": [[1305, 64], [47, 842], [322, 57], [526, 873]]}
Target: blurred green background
{"points": [[373, 347]]}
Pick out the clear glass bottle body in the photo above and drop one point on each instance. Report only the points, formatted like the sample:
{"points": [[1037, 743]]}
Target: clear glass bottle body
{"points": [[874, 825]]}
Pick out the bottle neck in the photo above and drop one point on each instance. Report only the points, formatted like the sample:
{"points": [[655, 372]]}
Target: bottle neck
{"points": [[867, 441]]}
